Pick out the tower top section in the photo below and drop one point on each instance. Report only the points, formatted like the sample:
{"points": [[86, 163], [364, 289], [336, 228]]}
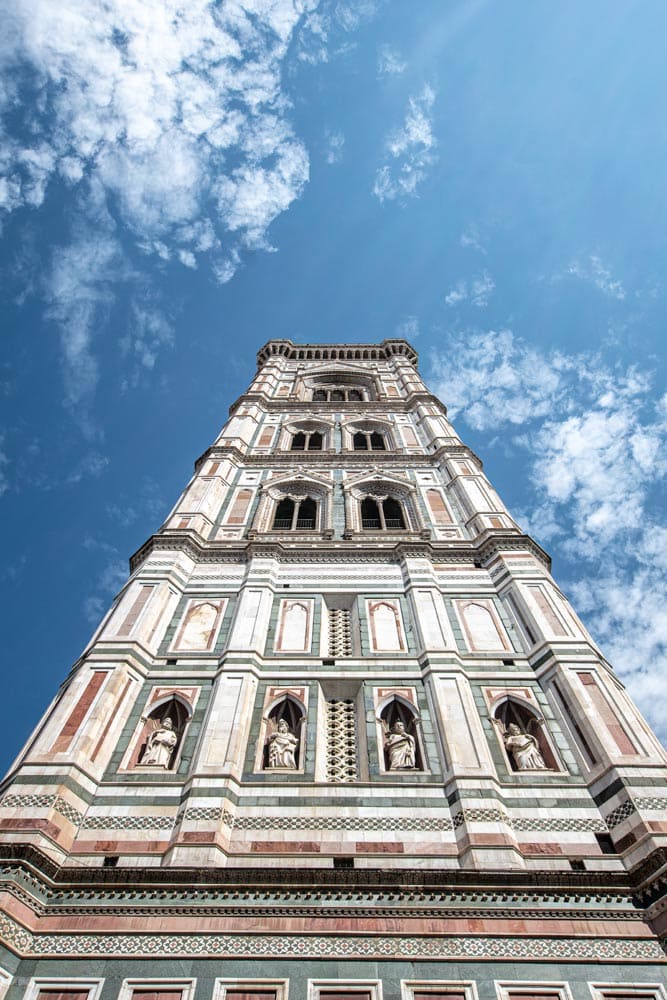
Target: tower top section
{"points": [[337, 352]]}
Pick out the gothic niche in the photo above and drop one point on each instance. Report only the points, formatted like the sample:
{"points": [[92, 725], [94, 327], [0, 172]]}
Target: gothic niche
{"points": [[401, 747], [282, 746], [523, 737], [162, 735]]}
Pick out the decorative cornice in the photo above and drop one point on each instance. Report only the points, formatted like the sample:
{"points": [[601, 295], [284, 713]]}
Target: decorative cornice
{"points": [[335, 946], [300, 549], [385, 351]]}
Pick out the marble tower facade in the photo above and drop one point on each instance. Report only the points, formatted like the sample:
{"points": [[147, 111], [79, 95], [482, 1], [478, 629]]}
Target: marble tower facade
{"points": [[340, 737]]}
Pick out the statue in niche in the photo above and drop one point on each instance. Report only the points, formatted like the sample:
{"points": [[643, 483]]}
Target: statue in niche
{"points": [[524, 749], [282, 747], [400, 747], [160, 745]]}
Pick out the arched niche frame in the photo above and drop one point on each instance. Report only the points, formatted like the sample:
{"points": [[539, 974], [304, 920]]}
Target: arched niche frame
{"points": [[306, 432], [524, 737], [376, 435], [159, 741], [345, 384], [399, 735], [295, 503], [386, 500], [282, 738]]}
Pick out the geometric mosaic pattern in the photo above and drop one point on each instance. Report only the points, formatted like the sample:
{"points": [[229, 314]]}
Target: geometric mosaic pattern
{"points": [[27, 802], [68, 811], [300, 822], [128, 823], [563, 824], [620, 813], [331, 946], [651, 802], [216, 814], [42, 802]]}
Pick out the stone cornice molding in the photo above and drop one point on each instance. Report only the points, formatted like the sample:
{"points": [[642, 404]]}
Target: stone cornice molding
{"points": [[329, 551]]}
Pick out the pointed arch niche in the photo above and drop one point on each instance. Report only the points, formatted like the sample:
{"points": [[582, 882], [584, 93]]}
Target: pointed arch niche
{"points": [[396, 714], [289, 708], [513, 711], [150, 749]]}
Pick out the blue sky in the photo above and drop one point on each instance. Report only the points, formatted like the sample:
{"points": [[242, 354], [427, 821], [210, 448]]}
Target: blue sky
{"points": [[179, 185]]}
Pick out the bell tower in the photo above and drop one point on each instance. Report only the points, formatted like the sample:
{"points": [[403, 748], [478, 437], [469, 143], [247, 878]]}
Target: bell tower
{"points": [[340, 737]]}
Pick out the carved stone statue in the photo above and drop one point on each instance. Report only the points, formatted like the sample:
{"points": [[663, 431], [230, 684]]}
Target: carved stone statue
{"points": [[160, 745], [282, 747], [524, 749], [400, 747]]}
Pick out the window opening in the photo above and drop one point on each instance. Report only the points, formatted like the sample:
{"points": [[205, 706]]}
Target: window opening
{"points": [[393, 513], [370, 515], [340, 632], [284, 515], [377, 441], [360, 442], [307, 441], [341, 740], [295, 515]]}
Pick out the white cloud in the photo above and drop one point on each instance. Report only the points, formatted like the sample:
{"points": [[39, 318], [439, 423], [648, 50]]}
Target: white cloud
{"points": [[170, 119], [408, 328], [389, 62], [410, 150], [589, 445], [4, 465], [148, 98], [592, 270], [459, 293], [470, 238], [334, 146], [110, 578], [481, 289], [79, 293], [478, 292]]}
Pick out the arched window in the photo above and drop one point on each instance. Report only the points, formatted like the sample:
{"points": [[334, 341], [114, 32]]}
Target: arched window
{"points": [[525, 742], [392, 513], [307, 441], [295, 515], [284, 516], [367, 440], [401, 743], [370, 515], [332, 393], [383, 514], [162, 735]]}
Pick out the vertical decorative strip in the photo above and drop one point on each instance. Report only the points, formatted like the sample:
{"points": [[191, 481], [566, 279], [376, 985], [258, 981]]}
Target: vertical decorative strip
{"points": [[69, 730]]}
